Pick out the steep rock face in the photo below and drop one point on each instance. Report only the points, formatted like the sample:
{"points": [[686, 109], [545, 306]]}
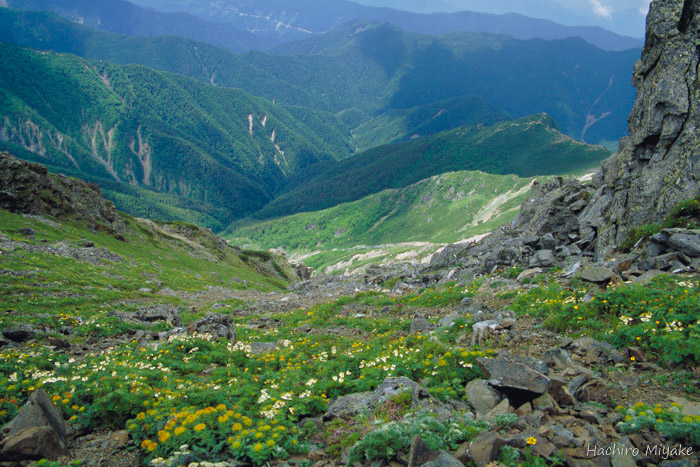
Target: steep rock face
{"points": [[27, 188], [658, 165]]}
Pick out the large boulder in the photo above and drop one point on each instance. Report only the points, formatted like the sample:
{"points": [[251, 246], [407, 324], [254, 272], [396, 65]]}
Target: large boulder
{"points": [[21, 332], [505, 373], [481, 396], [217, 325], [39, 431]]}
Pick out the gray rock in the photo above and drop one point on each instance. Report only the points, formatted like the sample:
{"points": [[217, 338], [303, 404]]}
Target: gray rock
{"points": [[596, 274], [562, 252], [421, 400], [506, 373], [27, 188], [503, 408], [687, 241], [486, 448], [419, 453], [656, 165], [21, 332], [38, 431], [159, 312], [543, 258], [39, 411], [421, 325], [547, 242], [594, 350], [217, 325], [353, 404], [561, 436], [652, 249], [39, 442], [529, 274], [348, 406], [482, 397], [444, 459], [449, 320], [623, 457]]}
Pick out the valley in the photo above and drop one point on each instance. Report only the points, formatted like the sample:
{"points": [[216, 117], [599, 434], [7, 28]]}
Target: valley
{"points": [[317, 233]]}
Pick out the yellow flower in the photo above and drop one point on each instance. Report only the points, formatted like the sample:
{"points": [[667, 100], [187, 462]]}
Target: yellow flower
{"points": [[633, 359], [258, 447], [180, 430], [270, 443], [531, 441], [141, 416], [151, 447], [236, 444], [200, 427], [236, 427], [163, 436], [190, 419], [221, 407], [145, 443]]}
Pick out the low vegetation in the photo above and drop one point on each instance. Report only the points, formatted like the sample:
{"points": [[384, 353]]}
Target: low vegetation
{"points": [[193, 397]]}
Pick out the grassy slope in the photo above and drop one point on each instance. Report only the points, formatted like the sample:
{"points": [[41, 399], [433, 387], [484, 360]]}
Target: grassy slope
{"points": [[442, 209], [156, 256], [526, 147]]}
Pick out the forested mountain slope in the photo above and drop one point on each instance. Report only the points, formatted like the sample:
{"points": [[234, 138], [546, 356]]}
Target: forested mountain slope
{"points": [[218, 151]]}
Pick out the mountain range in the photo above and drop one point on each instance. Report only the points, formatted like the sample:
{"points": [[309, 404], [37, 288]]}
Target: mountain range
{"points": [[243, 25], [376, 67], [175, 128]]}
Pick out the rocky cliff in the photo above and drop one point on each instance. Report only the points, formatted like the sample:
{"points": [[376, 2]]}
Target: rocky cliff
{"points": [[658, 165]]}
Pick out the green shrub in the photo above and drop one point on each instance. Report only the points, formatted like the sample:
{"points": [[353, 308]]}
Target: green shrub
{"points": [[669, 421], [391, 438]]}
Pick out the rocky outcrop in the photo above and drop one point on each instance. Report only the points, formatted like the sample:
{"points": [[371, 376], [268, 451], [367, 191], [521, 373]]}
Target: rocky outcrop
{"points": [[658, 165], [27, 188], [38, 432]]}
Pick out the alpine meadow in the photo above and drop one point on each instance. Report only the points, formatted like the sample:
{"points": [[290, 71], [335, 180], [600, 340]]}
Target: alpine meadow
{"points": [[314, 233]]}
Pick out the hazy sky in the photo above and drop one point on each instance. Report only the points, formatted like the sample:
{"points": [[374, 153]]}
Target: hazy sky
{"points": [[622, 16], [608, 8]]}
